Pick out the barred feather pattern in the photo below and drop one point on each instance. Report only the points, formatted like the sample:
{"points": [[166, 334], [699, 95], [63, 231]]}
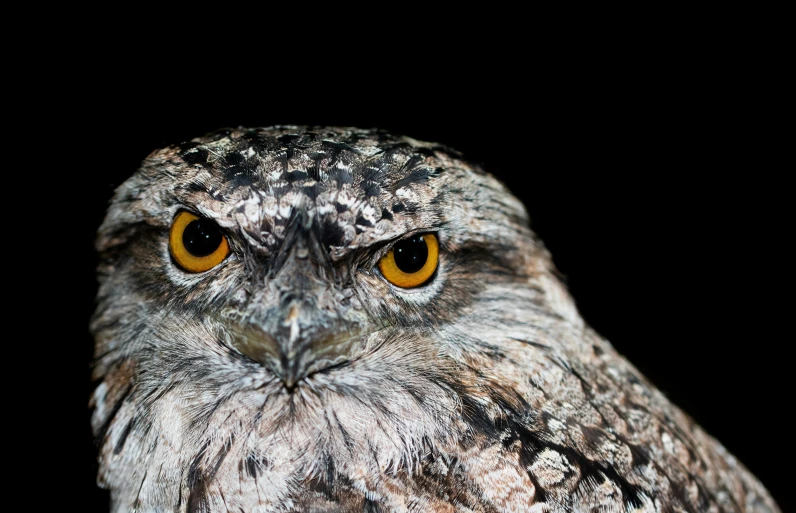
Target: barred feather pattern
{"points": [[480, 391]]}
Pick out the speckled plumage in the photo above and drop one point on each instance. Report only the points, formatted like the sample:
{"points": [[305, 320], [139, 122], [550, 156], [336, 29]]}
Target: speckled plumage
{"points": [[481, 391]]}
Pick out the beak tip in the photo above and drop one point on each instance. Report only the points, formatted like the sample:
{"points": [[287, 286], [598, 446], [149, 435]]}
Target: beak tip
{"points": [[289, 382]]}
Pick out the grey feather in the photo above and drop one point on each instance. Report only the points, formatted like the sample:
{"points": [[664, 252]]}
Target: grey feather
{"points": [[293, 376]]}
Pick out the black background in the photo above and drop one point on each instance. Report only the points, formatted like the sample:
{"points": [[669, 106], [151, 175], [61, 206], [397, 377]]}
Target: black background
{"points": [[652, 176]]}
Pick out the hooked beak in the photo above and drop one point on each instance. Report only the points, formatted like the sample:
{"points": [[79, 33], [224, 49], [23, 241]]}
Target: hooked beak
{"points": [[298, 322], [293, 347]]}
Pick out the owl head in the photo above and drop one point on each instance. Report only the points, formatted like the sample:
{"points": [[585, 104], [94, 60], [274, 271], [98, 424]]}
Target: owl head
{"points": [[300, 250]]}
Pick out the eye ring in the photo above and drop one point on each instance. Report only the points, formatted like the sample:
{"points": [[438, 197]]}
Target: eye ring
{"points": [[196, 243], [411, 262]]}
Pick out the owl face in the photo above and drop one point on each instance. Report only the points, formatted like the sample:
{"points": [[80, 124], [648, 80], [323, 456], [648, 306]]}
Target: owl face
{"points": [[294, 253], [285, 302]]}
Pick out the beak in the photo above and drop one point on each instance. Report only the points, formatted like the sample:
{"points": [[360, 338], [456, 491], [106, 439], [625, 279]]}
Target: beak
{"points": [[298, 322], [297, 342]]}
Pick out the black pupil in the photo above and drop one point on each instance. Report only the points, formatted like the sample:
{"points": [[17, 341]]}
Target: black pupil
{"points": [[411, 254], [201, 237]]}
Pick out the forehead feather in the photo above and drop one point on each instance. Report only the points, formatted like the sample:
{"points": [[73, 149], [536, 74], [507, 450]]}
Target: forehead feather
{"points": [[359, 186], [368, 183]]}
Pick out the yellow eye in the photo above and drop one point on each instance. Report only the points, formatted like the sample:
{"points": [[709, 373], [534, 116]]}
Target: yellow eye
{"points": [[411, 262], [196, 243]]}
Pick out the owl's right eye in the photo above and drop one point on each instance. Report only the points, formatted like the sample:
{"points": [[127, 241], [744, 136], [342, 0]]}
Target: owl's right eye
{"points": [[196, 243]]}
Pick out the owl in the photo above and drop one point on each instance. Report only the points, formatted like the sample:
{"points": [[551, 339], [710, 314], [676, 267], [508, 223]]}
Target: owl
{"points": [[327, 319]]}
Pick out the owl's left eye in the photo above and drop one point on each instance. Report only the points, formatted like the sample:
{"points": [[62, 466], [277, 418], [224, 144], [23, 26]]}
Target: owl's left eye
{"points": [[411, 262], [197, 243]]}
